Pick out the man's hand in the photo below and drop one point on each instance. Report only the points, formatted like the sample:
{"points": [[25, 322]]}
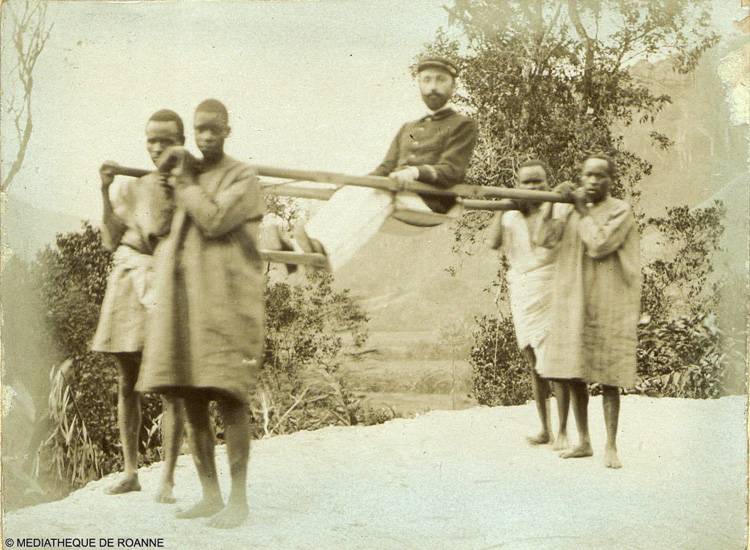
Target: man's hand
{"points": [[566, 189], [581, 202], [107, 174], [520, 205], [405, 177]]}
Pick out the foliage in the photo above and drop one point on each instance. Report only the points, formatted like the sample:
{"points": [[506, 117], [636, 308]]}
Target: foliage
{"points": [[551, 79], [681, 353], [688, 357], [69, 450], [83, 400], [308, 325], [683, 282], [501, 375], [305, 331]]}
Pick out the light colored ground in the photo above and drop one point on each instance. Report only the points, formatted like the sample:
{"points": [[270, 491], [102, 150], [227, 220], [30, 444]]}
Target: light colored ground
{"points": [[462, 480]]}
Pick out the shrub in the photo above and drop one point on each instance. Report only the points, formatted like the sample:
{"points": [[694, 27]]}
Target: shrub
{"points": [[683, 281], [501, 375], [307, 328], [687, 357], [85, 442]]}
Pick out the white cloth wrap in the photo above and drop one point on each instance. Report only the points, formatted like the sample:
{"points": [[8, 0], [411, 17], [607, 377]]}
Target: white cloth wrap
{"points": [[530, 303], [139, 267]]}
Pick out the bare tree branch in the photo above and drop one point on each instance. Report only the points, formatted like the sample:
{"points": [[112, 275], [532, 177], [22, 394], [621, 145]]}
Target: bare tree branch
{"points": [[30, 31]]}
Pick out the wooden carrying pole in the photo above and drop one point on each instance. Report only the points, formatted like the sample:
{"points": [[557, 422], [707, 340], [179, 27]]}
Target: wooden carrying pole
{"points": [[323, 194], [379, 182], [302, 192], [472, 193], [299, 258]]}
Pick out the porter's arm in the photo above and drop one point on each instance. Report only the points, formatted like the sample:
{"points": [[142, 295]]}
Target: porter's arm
{"points": [[113, 227]]}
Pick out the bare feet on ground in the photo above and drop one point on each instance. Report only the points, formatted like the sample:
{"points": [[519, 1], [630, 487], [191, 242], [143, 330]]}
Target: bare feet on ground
{"points": [[610, 458], [127, 484], [164, 494], [231, 516], [542, 438], [561, 442], [581, 451], [202, 509]]}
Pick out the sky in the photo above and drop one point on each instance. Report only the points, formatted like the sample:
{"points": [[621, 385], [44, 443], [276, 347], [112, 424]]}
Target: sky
{"points": [[319, 85], [316, 85]]}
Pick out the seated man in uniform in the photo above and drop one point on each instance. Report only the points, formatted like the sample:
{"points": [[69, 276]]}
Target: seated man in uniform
{"points": [[205, 337], [134, 222], [436, 149], [596, 300], [530, 284]]}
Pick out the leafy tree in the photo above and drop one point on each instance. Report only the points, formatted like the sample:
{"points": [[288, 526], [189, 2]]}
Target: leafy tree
{"points": [[681, 281], [551, 79]]}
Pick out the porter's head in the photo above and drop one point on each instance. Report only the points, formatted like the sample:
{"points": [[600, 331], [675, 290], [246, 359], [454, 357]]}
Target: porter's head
{"points": [[597, 175], [437, 81], [211, 125], [163, 130], [533, 175]]}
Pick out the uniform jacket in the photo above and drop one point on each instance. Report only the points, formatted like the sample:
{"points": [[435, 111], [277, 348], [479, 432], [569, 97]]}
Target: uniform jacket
{"points": [[440, 146]]}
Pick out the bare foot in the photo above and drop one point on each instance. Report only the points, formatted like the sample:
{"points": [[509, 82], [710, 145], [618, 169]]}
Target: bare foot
{"points": [[541, 439], [164, 494], [231, 516], [610, 458], [202, 509], [561, 442], [127, 484], [581, 451]]}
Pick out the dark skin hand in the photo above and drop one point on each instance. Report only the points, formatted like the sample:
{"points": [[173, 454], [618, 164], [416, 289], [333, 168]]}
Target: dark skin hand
{"points": [[566, 189], [581, 201]]}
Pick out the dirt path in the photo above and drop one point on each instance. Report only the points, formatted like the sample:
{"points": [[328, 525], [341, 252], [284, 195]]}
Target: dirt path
{"points": [[461, 480]]}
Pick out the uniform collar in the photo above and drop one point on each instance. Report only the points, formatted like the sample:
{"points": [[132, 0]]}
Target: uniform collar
{"points": [[446, 111]]}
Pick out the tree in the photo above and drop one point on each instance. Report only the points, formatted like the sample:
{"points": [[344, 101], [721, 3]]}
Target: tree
{"points": [[28, 34], [681, 281], [550, 78]]}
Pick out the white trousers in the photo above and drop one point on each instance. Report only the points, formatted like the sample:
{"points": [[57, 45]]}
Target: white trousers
{"points": [[353, 215]]}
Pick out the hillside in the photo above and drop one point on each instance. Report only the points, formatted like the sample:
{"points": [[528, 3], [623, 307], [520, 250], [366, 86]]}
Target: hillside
{"points": [[27, 228], [408, 279]]}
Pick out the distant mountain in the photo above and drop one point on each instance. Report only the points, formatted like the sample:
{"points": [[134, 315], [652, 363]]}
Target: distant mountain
{"points": [[27, 228], [408, 279]]}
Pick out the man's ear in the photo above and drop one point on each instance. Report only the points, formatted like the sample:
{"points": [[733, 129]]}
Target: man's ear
{"points": [[227, 132]]}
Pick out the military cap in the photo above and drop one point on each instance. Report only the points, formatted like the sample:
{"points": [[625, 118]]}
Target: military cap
{"points": [[438, 62]]}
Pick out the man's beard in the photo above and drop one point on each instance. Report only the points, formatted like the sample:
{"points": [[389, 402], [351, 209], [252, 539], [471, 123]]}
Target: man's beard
{"points": [[435, 101]]}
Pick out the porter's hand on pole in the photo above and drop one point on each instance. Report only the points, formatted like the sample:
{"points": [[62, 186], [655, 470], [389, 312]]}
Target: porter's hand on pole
{"points": [[566, 189], [107, 174], [579, 195]]}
